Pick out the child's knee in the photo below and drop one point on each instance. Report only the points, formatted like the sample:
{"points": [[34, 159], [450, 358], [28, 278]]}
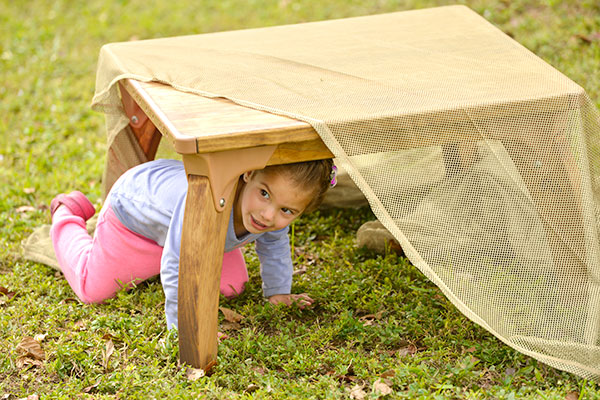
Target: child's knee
{"points": [[234, 274], [95, 295]]}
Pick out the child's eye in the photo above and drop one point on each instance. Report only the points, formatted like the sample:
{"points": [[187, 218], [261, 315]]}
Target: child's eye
{"points": [[287, 211], [264, 193]]}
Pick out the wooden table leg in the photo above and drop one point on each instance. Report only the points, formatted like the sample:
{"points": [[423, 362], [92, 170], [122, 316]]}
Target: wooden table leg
{"points": [[201, 258]]}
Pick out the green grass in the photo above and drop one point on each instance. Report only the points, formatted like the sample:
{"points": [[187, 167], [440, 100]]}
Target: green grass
{"points": [[51, 142]]}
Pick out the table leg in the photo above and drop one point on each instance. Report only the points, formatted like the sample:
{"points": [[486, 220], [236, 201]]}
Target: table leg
{"points": [[201, 258]]}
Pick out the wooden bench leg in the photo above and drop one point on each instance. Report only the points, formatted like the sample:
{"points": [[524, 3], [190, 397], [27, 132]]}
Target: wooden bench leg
{"points": [[201, 258]]}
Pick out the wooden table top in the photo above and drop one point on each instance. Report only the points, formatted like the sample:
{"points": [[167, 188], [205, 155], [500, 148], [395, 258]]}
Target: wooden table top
{"points": [[198, 124]]}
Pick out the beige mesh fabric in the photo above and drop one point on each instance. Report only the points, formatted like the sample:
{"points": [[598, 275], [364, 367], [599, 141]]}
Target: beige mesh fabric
{"points": [[482, 160]]}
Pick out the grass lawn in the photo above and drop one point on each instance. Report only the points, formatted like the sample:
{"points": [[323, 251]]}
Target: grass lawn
{"points": [[378, 323]]}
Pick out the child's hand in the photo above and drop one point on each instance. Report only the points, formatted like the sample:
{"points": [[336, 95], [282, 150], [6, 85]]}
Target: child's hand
{"points": [[301, 300]]}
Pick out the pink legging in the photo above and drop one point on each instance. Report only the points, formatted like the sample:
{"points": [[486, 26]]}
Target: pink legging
{"points": [[115, 258]]}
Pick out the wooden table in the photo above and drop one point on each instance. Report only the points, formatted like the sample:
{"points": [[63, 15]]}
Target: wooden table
{"points": [[218, 140]]}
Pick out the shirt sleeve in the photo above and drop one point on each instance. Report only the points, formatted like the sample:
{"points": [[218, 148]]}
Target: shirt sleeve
{"points": [[276, 268], [169, 263]]}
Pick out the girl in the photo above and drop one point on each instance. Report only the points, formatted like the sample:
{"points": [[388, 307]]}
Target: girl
{"points": [[138, 232]]}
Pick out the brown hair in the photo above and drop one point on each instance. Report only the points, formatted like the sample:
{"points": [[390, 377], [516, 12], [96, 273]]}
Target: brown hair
{"points": [[312, 175]]}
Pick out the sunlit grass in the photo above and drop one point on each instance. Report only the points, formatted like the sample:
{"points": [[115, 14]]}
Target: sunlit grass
{"points": [[376, 317]]}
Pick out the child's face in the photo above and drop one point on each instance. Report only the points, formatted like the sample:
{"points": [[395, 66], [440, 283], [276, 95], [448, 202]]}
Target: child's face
{"points": [[268, 202]]}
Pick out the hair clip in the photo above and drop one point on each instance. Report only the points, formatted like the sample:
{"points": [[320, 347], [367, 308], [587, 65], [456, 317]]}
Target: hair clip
{"points": [[333, 176]]}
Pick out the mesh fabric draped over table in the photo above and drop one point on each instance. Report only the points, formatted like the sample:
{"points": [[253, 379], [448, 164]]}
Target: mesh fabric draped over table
{"points": [[481, 159]]}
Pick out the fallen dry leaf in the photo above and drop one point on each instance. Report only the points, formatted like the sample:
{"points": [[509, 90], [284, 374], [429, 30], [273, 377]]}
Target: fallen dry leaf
{"points": [[592, 37], [252, 388], [193, 374], [300, 271], [230, 326], [407, 350], [26, 362], [357, 393], [388, 374], [572, 396], [31, 348], [381, 388], [370, 319], [40, 337], [344, 378], [30, 353], [108, 336], [259, 370], [90, 388], [109, 349], [231, 315], [28, 190], [7, 292]]}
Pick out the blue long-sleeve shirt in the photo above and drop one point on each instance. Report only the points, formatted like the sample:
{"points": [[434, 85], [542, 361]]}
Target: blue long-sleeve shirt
{"points": [[150, 199]]}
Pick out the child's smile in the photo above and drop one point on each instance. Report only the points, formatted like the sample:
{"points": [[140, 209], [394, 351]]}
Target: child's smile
{"points": [[267, 202]]}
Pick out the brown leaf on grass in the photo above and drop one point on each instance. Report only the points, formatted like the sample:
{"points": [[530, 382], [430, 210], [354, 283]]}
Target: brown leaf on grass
{"points": [[108, 336], [89, 389], [407, 350], [193, 374], [357, 393], [7, 292], [300, 271], [25, 209], [381, 388], [30, 347], [345, 377], [572, 396], [30, 353], [28, 190], [231, 315], [108, 350], [259, 370], [390, 373], [252, 388], [591, 38], [26, 362], [231, 326], [370, 319]]}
